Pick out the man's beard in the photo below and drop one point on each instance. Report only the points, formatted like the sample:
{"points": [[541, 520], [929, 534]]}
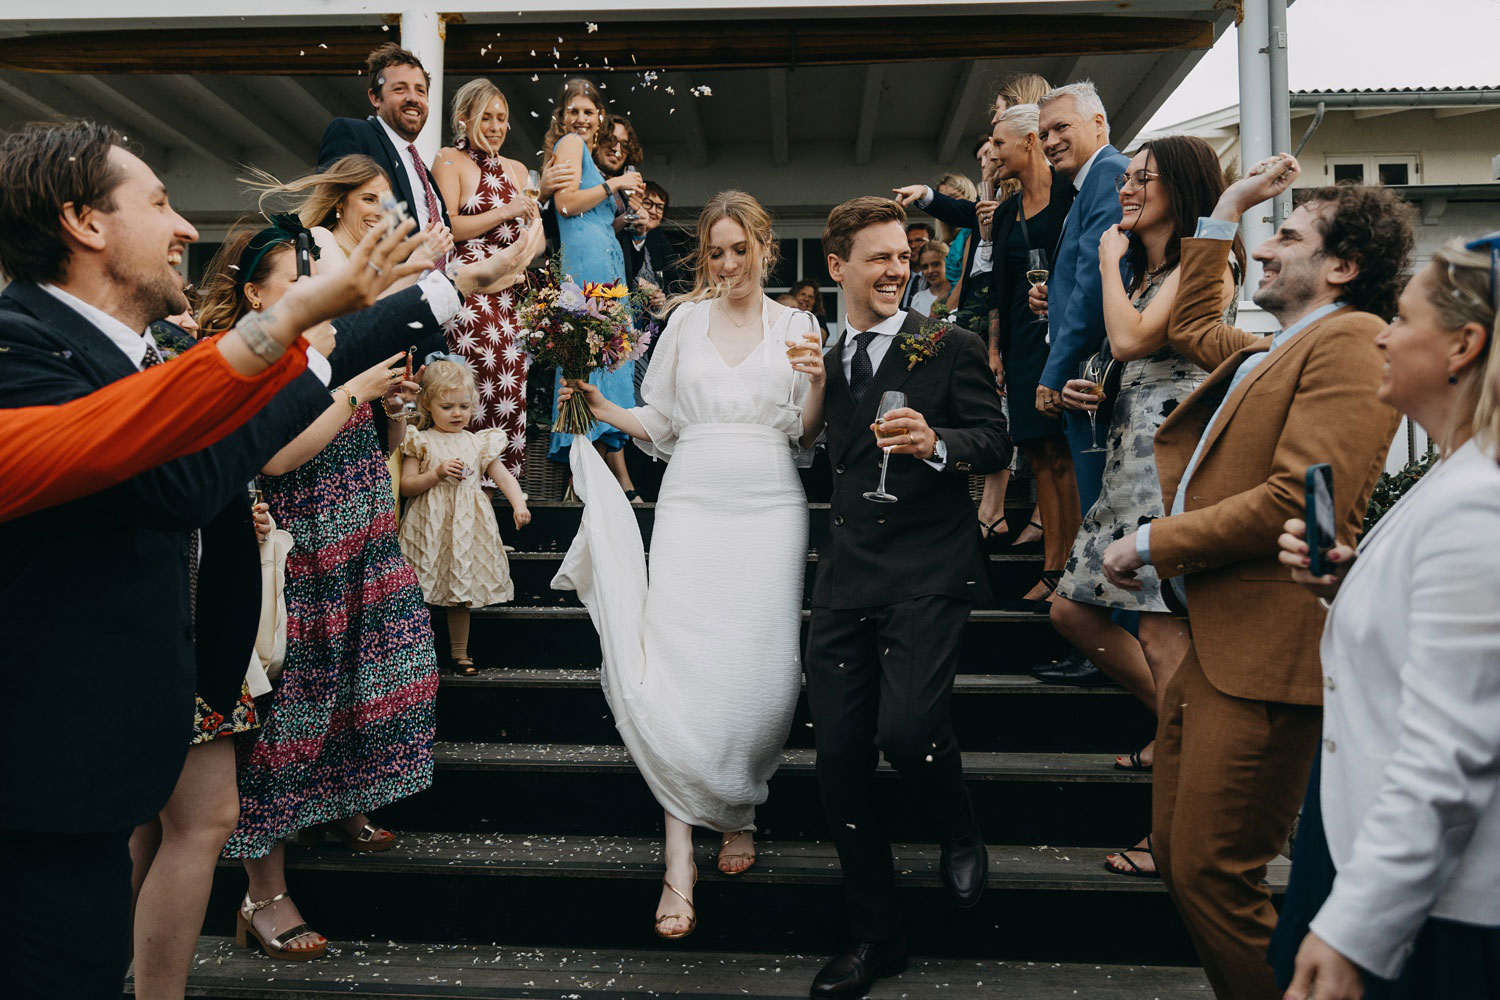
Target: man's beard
{"points": [[399, 126], [1292, 287], [150, 299]]}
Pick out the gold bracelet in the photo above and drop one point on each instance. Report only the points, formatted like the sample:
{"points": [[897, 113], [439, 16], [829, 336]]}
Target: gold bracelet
{"points": [[353, 400]]}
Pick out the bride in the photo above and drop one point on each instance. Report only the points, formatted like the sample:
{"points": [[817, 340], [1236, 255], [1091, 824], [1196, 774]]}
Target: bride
{"points": [[701, 668]]}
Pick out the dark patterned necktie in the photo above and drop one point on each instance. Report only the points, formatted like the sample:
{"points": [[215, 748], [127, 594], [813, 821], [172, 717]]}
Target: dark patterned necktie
{"points": [[153, 357], [861, 372]]}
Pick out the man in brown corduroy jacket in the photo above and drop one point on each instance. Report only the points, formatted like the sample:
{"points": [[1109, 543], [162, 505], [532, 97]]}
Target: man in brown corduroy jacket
{"points": [[1242, 715]]}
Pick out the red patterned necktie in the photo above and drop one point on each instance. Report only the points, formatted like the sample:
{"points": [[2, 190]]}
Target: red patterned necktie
{"points": [[434, 210]]}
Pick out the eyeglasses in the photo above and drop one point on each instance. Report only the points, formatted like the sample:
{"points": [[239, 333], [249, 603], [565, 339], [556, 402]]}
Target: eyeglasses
{"points": [[607, 141], [654, 207], [1492, 244], [1140, 177]]}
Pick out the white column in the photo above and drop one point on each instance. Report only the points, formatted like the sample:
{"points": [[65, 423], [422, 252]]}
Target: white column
{"points": [[422, 34], [1255, 121]]}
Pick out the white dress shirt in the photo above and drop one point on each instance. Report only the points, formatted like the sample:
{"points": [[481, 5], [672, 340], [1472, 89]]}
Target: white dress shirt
{"points": [[1411, 719], [886, 331], [414, 176], [1088, 165]]}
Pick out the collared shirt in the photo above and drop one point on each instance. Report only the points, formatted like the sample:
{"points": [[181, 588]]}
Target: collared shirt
{"points": [[886, 331], [1219, 229], [414, 175], [1088, 165]]}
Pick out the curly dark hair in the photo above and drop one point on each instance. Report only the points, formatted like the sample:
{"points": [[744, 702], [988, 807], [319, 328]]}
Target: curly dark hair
{"points": [[633, 152], [1371, 227]]}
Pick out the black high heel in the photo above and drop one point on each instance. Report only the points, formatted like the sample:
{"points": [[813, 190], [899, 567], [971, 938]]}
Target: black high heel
{"points": [[990, 535]]}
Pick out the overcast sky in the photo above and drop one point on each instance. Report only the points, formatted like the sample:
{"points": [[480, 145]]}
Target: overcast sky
{"points": [[1359, 44]]}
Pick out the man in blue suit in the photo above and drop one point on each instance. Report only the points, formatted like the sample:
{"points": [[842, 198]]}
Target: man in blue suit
{"points": [[1075, 138]]}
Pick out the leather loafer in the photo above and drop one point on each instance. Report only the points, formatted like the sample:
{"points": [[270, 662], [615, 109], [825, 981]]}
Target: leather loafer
{"points": [[854, 972], [1072, 669], [965, 866]]}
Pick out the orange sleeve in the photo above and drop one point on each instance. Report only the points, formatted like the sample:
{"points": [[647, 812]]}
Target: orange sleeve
{"points": [[52, 454]]}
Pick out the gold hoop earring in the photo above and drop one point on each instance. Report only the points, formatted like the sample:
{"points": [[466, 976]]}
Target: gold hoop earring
{"points": [[255, 305]]}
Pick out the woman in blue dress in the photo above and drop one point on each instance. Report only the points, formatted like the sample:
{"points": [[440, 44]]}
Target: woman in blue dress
{"points": [[590, 249]]}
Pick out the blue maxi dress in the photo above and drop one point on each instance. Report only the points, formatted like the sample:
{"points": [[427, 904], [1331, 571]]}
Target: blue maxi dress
{"points": [[592, 252]]}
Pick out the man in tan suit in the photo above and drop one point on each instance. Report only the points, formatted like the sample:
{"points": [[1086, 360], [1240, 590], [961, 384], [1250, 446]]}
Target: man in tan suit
{"points": [[1242, 715]]}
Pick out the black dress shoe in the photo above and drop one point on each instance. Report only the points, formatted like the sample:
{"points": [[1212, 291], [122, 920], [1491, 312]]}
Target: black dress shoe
{"points": [[1071, 669], [965, 864], [854, 972]]}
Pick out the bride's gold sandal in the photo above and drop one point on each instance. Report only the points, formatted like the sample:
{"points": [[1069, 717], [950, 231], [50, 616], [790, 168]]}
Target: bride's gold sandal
{"points": [[275, 947], [735, 857], [692, 914]]}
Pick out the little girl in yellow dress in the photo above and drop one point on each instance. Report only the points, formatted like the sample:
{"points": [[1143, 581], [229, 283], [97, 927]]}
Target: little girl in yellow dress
{"points": [[448, 533]]}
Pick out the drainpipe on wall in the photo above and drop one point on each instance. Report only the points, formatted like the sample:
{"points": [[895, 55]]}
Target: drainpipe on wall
{"points": [[1255, 119], [1281, 99]]}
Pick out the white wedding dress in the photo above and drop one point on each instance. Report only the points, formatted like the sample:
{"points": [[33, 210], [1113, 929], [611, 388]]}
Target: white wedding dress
{"points": [[702, 668]]}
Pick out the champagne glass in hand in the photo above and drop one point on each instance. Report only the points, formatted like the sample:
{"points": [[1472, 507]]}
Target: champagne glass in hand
{"points": [[888, 401], [1036, 267], [533, 189], [798, 350], [1093, 372]]}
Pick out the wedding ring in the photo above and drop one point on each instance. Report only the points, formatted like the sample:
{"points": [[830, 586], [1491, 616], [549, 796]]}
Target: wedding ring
{"points": [[372, 266]]}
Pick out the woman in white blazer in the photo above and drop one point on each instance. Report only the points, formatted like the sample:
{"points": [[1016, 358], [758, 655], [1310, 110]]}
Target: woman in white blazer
{"points": [[1410, 761]]}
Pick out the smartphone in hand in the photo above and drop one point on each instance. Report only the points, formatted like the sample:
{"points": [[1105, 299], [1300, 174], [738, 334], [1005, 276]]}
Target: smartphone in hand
{"points": [[1321, 532], [304, 254]]}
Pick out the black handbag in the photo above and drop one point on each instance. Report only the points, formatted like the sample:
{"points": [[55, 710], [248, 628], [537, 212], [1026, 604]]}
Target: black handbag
{"points": [[1114, 370]]}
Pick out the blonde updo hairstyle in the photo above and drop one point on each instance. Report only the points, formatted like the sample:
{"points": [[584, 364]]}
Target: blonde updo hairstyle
{"points": [[752, 217], [1461, 295], [468, 107], [441, 377]]}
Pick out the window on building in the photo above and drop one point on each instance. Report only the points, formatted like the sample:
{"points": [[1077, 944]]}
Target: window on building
{"points": [[1375, 168]]}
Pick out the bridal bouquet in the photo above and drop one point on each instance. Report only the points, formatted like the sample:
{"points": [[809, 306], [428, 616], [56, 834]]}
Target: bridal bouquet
{"points": [[580, 328]]}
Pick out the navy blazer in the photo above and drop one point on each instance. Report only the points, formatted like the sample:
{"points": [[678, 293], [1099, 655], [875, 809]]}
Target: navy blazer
{"points": [[346, 136], [1075, 295], [101, 661]]}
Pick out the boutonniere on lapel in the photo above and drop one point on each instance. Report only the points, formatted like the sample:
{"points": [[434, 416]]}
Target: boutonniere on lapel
{"points": [[928, 340]]}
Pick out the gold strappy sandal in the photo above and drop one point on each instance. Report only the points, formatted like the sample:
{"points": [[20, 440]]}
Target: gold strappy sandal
{"points": [[692, 914], [275, 947], [746, 857]]}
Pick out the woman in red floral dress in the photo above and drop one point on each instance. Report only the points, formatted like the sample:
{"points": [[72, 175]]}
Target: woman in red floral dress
{"points": [[485, 188]]}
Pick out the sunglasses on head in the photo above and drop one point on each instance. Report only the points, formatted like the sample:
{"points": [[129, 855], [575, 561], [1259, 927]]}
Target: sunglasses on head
{"points": [[1492, 244]]}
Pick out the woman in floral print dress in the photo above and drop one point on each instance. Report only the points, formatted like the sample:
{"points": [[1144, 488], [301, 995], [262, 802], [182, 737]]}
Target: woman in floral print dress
{"points": [[492, 213]]}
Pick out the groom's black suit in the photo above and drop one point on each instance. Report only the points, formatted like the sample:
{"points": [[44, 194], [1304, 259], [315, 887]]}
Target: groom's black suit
{"points": [[894, 587]]}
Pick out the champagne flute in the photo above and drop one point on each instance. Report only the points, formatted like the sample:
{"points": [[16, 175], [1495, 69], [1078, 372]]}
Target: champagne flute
{"points": [[1093, 372], [252, 489], [888, 401], [631, 218], [797, 352], [1036, 267], [533, 189]]}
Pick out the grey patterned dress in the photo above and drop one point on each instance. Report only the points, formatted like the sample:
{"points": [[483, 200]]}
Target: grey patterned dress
{"points": [[1150, 389]]}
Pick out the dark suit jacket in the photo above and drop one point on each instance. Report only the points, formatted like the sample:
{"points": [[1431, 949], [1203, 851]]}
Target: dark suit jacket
{"points": [[101, 666], [1003, 285], [963, 215], [345, 136], [926, 542], [1075, 322], [665, 262]]}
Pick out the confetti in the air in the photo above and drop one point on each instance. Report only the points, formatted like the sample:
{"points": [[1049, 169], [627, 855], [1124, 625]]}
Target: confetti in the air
{"points": [[591, 26], [703, 91]]}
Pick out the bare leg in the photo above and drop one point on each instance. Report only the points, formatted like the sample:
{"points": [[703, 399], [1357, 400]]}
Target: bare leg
{"points": [[1164, 641], [1057, 499], [992, 503], [268, 878], [680, 873], [616, 462], [1110, 648], [198, 819]]}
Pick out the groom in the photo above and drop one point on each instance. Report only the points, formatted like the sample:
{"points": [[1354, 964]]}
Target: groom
{"points": [[897, 580]]}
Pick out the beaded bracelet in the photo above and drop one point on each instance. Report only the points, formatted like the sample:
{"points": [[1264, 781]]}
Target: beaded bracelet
{"points": [[252, 330]]}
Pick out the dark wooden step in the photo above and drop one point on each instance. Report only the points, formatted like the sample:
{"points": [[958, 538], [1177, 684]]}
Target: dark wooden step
{"points": [[590, 789], [387, 970], [995, 641], [599, 891], [996, 712], [554, 523], [1011, 575]]}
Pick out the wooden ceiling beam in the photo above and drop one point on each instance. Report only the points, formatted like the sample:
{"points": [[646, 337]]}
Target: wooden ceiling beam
{"points": [[965, 92], [869, 112], [239, 111], [659, 45]]}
